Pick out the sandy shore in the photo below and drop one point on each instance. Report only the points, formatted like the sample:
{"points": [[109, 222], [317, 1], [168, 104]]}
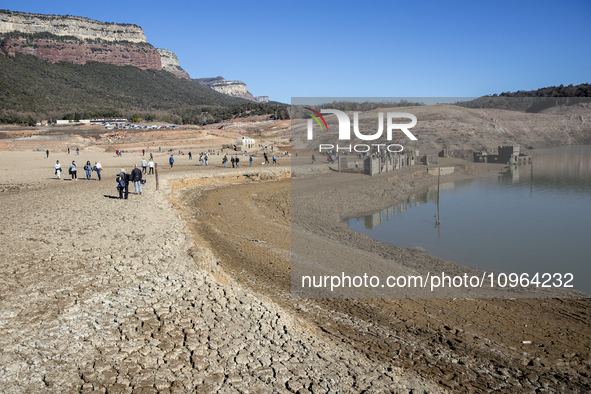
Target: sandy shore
{"points": [[107, 295]]}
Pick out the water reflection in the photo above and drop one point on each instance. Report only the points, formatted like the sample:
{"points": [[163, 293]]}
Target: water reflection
{"points": [[528, 218]]}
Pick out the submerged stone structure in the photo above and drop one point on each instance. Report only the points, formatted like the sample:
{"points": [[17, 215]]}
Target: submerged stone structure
{"points": [[507, 154]]}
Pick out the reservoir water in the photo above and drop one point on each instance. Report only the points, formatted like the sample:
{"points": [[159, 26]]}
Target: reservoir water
{"points": [[529, 219]]}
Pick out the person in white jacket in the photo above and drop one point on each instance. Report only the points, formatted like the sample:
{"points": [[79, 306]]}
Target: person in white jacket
{"points": [[58, 169]]}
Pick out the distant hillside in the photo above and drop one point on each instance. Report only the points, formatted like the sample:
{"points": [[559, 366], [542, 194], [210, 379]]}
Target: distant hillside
{"points": [[534, 100], [582, 90], [34, 89]]}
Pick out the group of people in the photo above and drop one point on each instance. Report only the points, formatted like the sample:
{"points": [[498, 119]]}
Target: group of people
{"points": [[124, 179], [147, 166], [73, 170]]}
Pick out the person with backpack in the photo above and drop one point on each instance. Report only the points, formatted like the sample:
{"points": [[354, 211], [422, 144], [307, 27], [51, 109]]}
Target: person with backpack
{"points": [[122, 184], [136, 177]]}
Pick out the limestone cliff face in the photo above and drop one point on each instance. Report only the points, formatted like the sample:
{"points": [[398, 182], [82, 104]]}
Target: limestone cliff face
{"points": [[79, 52], [170, 63], [74, 39], [79, 27], [231, 88]]}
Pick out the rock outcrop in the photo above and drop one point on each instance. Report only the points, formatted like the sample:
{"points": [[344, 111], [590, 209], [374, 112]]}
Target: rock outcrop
{"points": [[76, 26], [170, 63], [231, 88], [75, 39]]}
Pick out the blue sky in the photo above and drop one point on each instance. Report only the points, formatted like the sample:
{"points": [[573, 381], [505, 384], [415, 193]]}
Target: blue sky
{"points": [[353, 49]]}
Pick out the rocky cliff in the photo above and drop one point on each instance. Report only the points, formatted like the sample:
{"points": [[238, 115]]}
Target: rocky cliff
{"points": [[70, 49], [231, 88], [79, 27], [170, 63], [74, 39]]}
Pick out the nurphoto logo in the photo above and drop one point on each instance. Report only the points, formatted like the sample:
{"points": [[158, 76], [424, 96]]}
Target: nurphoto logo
{"points": [[345, 129]]}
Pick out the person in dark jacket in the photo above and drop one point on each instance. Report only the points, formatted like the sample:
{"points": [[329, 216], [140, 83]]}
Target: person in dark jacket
{"points": [[122, 184], [136, 177], [88, 169]]}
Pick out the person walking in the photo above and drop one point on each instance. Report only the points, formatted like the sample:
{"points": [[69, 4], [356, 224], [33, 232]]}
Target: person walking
{"points": [[47, 153], [207, 159], [88, 169], [250, 160], [68, 150], [58, 169], [73, 170], [190, 156], [171, 161], [143, 152], [151, 156], [122, 184], [313, 159], [151, 167], [136, 177], [225, 161], [233, 161], [98, 168], [144, 166], [274, 160], [78, 151], [201, 159], [237, 161], [266, 158]]}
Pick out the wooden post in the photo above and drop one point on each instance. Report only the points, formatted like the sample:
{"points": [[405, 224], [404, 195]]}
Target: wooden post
{"points": [[156, 174]]}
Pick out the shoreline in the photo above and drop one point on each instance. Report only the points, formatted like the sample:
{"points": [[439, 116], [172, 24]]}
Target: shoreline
{"points": [[349, 324]]}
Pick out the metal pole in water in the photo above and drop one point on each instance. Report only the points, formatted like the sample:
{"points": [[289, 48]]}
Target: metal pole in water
{"points": [[437, 221]]}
